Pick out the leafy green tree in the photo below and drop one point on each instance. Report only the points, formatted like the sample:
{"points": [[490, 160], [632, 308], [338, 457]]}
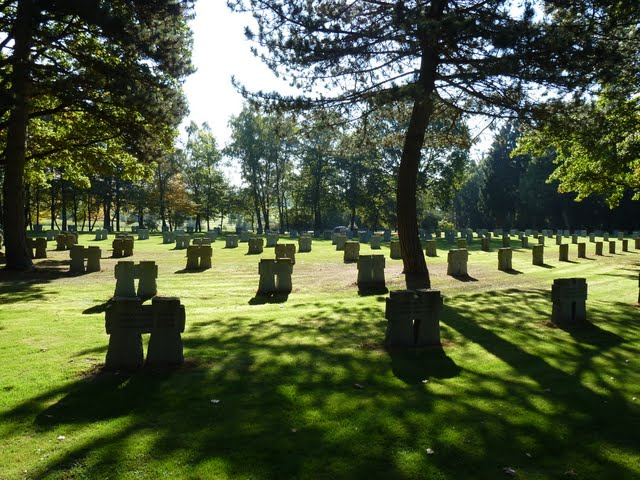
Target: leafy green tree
{"points": [[202, 172], [475, 55], [595, 143], [88, 80]]}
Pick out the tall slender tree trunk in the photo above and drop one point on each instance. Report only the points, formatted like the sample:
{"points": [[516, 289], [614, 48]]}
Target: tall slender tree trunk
{"points": [[38, 205], [53, 205], [415, 267], [27, 206], [17, 254], [63, 196]]}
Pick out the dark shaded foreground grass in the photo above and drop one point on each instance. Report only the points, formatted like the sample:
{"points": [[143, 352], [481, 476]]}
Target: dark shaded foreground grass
{"points": [[303, 389]]}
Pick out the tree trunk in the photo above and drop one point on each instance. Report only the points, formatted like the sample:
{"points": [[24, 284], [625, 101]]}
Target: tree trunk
{"points": [[27, 207], [63, 196], [415, 267], [38, 205], [53, 205], [17, 254]]}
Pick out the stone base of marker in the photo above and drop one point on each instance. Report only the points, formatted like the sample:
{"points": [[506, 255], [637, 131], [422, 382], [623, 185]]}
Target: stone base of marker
{"points": [[394, 250], [457, 259], [612, 247], [582, 250], [505, 256], [371, 272], [569, 297], [256, 246], [351, 252], [430, 248], [563, 252], [286, 250], [537, 255], [275, 276], [599, 246], [126, 319], [413, 318]]}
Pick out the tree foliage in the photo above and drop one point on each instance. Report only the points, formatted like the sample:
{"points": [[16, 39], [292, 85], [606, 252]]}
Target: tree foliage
{"points": [[484, 56]]}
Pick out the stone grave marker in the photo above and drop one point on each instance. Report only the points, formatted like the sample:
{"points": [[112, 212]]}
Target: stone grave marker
{"points": [[351, 251], [244, 236], [485, 244], [506, 241], [457, 262], [256, 245], [231, 241], [569, 297], [540, 239], [599, 246], [537, 255], [563, 252], [430, 248], [637, 243], [504, 259], [168, 237], [574, 239], [304, 244], [394, 250], [525, 242], [582, 250], [612, 247], [143, 234], [126, 319], [461, 243], [272, 239], [340, 241], [558, 240], [413, 318], [375, 242], [625, 245], [286, 250], [371, 272], [275, 276], [199, 257]]}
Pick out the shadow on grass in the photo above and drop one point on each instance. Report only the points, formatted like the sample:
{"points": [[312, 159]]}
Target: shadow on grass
{"points": [[299, 398], [16, 287], [191, 270], [262, 298], [464, 278], [366, 291], [100, 308], [512, 272], [417, 365], [545, 265]]}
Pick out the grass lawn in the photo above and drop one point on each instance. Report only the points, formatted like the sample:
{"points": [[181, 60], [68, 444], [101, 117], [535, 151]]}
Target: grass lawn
{"points": [[304, 389]]}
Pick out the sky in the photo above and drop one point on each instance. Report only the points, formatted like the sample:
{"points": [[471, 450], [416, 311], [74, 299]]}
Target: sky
{"points": [[221, 51]]}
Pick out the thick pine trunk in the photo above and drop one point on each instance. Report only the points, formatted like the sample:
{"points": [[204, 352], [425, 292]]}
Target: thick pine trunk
{"points": [[415, 267], [17, 255]]}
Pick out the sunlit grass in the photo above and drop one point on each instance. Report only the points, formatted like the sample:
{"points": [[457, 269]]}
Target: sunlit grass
{"points": [[305, 388]]}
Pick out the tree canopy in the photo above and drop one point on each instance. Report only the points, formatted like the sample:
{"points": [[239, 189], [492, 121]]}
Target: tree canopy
{"points": [[493, 57], [94, 83]]}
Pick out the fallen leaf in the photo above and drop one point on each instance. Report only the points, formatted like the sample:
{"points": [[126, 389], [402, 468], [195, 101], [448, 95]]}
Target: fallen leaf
{"points": [[215, 401], [528, 454], [357, 385], [509, 471], [430, 451]]}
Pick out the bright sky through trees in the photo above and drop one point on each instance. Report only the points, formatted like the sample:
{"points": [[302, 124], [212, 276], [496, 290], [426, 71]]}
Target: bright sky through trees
{"points": [[221, 51]]}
